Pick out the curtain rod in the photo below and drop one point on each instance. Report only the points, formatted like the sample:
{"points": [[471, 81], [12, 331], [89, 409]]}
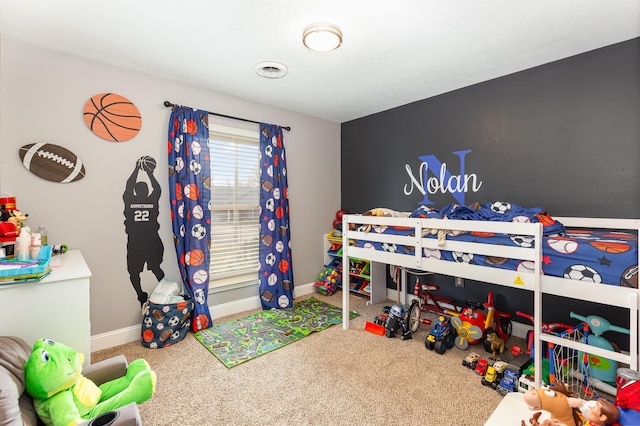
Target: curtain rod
{"points": [[169, 104]]}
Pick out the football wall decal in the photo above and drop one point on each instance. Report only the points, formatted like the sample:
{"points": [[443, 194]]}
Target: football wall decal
{"points": [[52, 162]]}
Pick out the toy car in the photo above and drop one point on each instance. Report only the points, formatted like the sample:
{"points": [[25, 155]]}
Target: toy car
{"points": [[509, 382], [494, 374], [441, 336], [481, 367], [471, 360]]}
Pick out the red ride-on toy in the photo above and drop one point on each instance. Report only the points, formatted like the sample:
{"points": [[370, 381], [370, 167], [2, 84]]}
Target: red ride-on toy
{"points": [[473, 324], [427, 300], [550, 328]]}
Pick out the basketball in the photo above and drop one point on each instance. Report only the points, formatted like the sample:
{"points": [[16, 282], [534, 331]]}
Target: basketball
{"points": [[148, 164], [191, 191], [112, 117], [194, 257]]}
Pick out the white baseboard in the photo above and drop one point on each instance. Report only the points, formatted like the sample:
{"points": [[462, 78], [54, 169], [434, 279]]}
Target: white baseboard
{"points": [[131, 334]]}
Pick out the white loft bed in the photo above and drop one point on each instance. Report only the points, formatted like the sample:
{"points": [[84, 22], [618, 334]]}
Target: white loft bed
{"points": [[533, 281]]}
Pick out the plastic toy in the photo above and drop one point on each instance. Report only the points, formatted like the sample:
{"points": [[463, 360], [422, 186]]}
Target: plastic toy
{"points": [[509, 382], [548, 328], [558, 401], [628, 396], [396, 320], [494, 374], [426, 300], [471, 360], [481, 367], [330, 278], [599, 367], [472, 325], [441, 336], [497, 344], [63, 396]]}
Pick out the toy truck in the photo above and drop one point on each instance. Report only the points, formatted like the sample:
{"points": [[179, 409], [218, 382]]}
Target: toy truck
{"points": [[494, 374], [509, 382], [481, 367], [471, 360], [441, 336]]}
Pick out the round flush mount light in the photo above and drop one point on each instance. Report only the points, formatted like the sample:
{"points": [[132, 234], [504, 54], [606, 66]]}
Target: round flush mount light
{"points": [[271, 69], [322, 37]]}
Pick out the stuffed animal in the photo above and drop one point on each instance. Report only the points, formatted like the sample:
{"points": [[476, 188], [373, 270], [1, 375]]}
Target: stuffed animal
{"points": [[63, 396], [558, 401]]}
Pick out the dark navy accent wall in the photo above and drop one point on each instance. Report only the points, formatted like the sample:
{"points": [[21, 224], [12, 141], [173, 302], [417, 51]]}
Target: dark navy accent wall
{"points": [[564, 136]]}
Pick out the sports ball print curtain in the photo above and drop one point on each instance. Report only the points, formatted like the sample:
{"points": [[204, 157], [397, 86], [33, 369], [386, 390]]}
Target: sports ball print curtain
{"points": [[190, 192], [276, 272]]}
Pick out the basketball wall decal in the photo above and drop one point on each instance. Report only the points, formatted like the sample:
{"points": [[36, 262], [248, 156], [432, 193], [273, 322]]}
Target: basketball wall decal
{"points": [[52, 162], [112, 117]]}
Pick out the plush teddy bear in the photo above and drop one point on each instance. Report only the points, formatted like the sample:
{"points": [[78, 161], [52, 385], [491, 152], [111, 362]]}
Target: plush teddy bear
{"points": [[63, 396]]}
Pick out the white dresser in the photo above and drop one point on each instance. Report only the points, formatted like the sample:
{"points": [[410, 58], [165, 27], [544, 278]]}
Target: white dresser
{"points": [[56, 307]]}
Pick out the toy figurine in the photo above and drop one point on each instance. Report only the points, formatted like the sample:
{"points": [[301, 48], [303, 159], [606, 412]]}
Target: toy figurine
{"points": [[396, 320], [497, 345]]}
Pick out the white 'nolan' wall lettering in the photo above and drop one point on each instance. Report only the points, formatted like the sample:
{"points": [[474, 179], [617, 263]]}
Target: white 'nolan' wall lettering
{"points": [[457, 185]]}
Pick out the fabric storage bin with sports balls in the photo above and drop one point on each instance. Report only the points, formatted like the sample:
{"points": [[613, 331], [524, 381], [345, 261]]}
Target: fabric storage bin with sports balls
{"points": [[165, 324]]}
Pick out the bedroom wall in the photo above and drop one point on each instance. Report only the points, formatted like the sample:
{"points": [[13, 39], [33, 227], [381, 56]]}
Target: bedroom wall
{"points": [[43, 94], [563, 136]]}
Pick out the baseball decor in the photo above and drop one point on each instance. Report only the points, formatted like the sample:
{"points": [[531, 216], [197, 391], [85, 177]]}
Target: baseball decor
{"points": [[52, 162], [112, 117]]}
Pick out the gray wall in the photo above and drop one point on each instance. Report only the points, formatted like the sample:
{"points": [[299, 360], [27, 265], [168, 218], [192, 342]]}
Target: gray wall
{"points": [[564, 136], [43, 94]]}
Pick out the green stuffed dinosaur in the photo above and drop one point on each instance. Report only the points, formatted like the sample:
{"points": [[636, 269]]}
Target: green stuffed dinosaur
{"points": [[64, 397]]}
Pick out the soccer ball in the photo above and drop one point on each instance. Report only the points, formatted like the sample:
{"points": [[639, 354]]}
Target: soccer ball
{"points": [[270, 204], [268, 150], [582, 273], [522, 240], [462, 257], [270, 259], [500, 207], [173, 321], [391, 248], [198, 231], [148, 322], [195, 167], [199, 296]]}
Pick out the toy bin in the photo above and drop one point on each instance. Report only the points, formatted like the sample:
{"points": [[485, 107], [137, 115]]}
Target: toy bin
{"points": [[165, 324]]}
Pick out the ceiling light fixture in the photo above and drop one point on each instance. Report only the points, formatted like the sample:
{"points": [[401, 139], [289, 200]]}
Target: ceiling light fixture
{"points": [[322, 37], [271, 69]]}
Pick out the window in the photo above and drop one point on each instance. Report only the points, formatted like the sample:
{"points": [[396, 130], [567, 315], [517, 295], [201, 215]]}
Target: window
{"points": [[235, 205]]}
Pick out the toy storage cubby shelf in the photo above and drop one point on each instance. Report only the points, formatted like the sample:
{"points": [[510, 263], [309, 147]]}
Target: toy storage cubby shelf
{"points": [[364, 278]]}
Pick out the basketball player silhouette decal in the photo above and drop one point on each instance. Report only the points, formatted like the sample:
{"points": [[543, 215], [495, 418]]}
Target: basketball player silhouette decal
{"points": [[144, 246]]}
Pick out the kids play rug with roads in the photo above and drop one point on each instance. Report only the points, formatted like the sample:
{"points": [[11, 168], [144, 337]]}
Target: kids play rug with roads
{"points": [[240, 340]]}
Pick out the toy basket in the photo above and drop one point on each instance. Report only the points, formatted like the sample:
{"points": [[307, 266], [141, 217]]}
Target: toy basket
{"points": [[165, 324], [330, 279]]}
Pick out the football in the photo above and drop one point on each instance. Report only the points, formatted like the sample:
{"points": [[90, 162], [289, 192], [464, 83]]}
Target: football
{"points": [[52, 162]]}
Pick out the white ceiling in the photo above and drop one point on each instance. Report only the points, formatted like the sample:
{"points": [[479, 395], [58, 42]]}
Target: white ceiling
{"points": [[394, 52]]}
